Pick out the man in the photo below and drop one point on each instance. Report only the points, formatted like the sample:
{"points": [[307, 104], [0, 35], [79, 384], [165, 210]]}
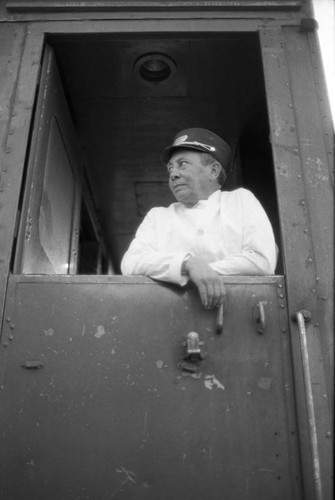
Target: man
{"points": [[208, 233]]}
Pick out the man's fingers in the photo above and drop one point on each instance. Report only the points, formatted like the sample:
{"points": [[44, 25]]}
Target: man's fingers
{"points": [[203, 294], [212, 293], [209, 283], [216, 297], [210, 289]]}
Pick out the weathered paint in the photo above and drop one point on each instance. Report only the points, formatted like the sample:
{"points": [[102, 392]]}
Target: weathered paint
{"points": [[301, 194], [104, 407], [285, 75]]}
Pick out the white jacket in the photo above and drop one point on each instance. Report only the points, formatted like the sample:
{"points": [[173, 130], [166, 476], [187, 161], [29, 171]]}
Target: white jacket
{"points": [[230, 231]]}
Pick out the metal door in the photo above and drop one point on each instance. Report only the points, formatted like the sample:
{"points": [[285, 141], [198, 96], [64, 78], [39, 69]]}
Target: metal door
{"points": [[97, 401]]}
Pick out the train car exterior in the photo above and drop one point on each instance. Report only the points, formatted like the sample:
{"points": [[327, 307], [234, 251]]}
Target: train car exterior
{"points": [[101, 394]]}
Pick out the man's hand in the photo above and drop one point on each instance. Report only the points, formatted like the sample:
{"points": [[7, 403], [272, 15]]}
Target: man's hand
{"points": [[209, 283]]}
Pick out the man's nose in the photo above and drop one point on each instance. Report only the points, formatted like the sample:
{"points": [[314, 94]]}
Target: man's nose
{"points": [[174, 174]]}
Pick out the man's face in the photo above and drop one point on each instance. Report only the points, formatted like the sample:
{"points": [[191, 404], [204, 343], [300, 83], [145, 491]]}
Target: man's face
{"points": [[189, 179]]}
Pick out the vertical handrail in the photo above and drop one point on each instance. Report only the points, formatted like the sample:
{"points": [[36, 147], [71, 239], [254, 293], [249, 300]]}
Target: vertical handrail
{"points": [[301, 317]]}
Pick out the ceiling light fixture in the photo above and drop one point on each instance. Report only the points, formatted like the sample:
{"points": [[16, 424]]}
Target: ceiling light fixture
{"points": [[155, 67]]}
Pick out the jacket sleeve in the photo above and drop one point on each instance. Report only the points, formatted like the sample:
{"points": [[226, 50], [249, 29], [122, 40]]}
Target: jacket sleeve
{"points": [[144, 258], [258, 255]]}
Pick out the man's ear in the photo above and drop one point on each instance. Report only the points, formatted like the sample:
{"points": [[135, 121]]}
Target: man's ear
{"points": [[215, 169]]}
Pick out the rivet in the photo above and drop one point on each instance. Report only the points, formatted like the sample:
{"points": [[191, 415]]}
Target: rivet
{"points": [[12, 326], [281, 295], [290, 105], [328, 434], [5, 344], [313, 290], [324, 396], [282, 306], [10, 337], [317, 324], [8, 320], [317, 278], [306, 231], [309, 259], [299, 176], [283, 329], [280, 285], [249, 393], [302, 202]]}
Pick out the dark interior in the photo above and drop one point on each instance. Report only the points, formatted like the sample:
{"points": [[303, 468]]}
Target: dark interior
{"points": [[130, 96]]}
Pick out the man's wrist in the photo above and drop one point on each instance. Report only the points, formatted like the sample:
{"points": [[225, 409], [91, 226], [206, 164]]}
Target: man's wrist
{"points": [[183, 269]]}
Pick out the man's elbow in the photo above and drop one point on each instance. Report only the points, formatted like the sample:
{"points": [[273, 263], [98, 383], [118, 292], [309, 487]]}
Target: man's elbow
{"points": [[264, 265], [127, 268], [268, 265]]}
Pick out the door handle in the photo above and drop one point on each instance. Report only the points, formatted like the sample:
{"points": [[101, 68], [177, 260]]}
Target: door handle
{"points": [[259, 317], [222, 309], [301, 318]]}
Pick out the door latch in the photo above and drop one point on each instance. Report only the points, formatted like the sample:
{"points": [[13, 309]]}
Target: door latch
{"points": [[193, 347], [194, 352]]}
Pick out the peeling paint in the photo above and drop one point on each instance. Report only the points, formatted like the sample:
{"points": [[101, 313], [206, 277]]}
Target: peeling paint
{"points": [[190, 374], [211, 381], [129, 478], [49, 332], [100, 332], [315, 170]]}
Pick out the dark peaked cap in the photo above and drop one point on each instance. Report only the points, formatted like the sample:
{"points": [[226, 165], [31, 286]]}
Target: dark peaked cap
{"points": [[199, 139]]}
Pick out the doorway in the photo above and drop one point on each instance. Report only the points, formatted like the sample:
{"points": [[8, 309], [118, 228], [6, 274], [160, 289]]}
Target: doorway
{"points": [[129, 96]]}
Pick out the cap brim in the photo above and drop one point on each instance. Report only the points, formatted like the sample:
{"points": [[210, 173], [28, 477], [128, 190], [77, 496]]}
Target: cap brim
{"points": [[166, 155]]}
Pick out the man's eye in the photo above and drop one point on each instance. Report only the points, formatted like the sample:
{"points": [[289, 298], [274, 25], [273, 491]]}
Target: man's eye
{"points": [[183, 164]]}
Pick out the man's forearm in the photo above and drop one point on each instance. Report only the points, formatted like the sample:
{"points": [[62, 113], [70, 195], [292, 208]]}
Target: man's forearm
{"points": [[248, 263], [156, 265]]}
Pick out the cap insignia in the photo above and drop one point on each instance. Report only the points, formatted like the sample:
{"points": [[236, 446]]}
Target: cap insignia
{"points": [[180, 140]]}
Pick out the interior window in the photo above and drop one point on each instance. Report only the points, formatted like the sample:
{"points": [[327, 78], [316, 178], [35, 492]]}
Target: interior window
{"points": [[55, 218]]}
